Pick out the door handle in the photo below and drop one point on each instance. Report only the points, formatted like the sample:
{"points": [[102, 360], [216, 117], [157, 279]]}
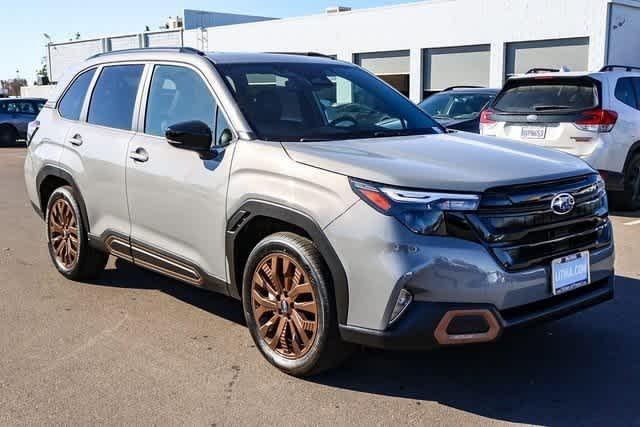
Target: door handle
{"points": [[139, 155], [76, 140]]}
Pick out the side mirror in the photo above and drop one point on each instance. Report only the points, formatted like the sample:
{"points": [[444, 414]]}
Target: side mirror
{"points": [[193, 135], [225, 137]]}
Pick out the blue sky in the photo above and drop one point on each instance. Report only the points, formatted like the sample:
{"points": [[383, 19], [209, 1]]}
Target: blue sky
{"points": [[22, 44]]}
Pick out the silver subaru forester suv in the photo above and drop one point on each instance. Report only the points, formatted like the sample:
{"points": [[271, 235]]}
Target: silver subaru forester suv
{"points": [[334, 208]]}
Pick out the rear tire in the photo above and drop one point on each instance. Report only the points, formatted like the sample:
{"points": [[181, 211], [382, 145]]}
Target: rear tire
{"points": [[629, 199], [289, 306], [8, 136], [67, 238]]}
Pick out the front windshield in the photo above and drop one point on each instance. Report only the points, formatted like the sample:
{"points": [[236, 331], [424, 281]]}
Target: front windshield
{"points": [[456, 106], [321, 101]]}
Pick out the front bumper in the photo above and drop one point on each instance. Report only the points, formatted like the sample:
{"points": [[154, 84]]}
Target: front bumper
{"points": [[422, 327]]}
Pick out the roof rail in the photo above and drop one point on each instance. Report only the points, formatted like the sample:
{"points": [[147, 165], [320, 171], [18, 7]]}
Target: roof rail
{"points": [[613, 67], [542, 70], [184, 49], [314, 54], [462, 87]]}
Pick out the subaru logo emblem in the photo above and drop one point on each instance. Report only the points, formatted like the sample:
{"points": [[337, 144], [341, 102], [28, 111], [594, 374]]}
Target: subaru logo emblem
{"points": [[562, 204], [532, 118]]}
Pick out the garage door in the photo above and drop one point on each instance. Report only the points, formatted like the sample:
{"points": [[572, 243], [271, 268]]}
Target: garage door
{"points": [[572, 53], [391, 66], [456, 66]]}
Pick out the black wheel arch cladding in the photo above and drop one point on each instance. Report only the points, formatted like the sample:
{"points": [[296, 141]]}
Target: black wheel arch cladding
{"points": [[253, 209], [59, 174]]}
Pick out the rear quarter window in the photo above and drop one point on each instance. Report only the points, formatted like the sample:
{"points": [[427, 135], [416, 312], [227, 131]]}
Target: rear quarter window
{"points": [[625, 92], [550, 95], [70, 105]]}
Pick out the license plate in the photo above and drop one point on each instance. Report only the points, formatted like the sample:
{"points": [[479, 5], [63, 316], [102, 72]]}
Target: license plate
{"points": [[570, 272], [534, 132]]}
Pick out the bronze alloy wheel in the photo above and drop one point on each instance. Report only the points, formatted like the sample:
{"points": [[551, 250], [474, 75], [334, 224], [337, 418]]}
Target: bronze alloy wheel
{"points": [[63, 233], [284, 305]]}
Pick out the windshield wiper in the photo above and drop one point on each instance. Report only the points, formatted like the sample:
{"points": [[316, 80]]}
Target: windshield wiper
{"points": [[550, 107]]}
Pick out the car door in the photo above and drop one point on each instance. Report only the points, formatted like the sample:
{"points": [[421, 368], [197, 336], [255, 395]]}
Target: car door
{"points": [[26, 112], [13, 116], [55, 123], [626, 131], [96, 149], [176, 197]]}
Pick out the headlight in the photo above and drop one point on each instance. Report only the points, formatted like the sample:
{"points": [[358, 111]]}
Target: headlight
{"points": [[600, 184], [422, 212], [602, 190]]}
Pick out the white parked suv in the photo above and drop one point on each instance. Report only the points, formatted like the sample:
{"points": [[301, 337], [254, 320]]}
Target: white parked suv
{"points": [[595, 116]]}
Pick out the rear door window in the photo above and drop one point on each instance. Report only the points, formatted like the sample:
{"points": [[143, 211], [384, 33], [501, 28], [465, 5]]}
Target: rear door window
{"points": [[12, 107], [71, 103], [114, 96], [625, 92], [547, 95], [27, 108], [636, 85], [38, 105]]}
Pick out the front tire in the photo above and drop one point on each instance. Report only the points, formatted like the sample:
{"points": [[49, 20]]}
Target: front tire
{"points": [[67, 238], [629, 199], [288, 306]]}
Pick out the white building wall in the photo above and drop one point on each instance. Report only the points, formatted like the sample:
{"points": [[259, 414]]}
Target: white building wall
{"points": [[125, 42], [66, 55], [413, 27], [431, 24], [164, 39], [624, 35], [36, 91]]}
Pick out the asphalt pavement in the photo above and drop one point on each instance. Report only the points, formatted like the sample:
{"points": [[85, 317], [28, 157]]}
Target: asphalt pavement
{"points": [[137, 348]]}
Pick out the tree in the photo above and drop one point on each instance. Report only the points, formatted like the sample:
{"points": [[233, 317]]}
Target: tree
{"points": [[13, 86], [42, 73]]}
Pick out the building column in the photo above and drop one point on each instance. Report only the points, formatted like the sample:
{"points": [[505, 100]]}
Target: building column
{"points": [[497, 64], [415, 75], [344, 90], [345, 55]]}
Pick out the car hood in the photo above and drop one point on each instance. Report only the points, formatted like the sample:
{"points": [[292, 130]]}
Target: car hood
{"points": [[440, 162]]}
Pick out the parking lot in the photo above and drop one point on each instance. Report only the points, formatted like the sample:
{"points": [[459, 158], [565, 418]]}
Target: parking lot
{"points": [[136, 346]]}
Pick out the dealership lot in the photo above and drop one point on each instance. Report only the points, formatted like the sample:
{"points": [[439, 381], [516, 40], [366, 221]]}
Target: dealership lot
{"points": [[136, 346]]}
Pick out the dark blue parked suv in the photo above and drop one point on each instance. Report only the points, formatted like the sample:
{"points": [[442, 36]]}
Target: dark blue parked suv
{"points": [[15, 115], [459, 107]]}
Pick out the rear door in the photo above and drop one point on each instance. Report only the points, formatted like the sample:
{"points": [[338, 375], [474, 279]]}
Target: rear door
{"points": [[96, 149], [26, 112], [543, 110], [51, 142]]}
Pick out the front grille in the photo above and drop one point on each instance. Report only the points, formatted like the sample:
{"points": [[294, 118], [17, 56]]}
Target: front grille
{"points": [[521, 230]]}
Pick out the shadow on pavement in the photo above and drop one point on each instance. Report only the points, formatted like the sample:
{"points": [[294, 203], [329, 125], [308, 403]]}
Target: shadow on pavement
{"points": [[583, 369], [127, 275], [626, 214], [18, 144]]}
